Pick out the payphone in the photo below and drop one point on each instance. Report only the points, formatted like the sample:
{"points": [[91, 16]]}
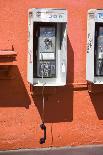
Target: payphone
{"points": [[47, 47], [46, 55], [94, 61], [99, 51]]}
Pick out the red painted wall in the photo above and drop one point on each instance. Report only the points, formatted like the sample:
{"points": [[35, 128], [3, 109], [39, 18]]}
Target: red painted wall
{"points": [[73, 117]]}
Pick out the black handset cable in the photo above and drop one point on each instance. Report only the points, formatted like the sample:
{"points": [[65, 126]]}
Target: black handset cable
{"points": [[42, 126]]}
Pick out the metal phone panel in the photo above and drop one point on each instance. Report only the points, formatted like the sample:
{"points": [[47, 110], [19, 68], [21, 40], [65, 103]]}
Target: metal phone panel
{"points": [[46, 66]]}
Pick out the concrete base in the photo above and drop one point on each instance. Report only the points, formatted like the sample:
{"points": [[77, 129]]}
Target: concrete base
{"points": [[78, 150]]}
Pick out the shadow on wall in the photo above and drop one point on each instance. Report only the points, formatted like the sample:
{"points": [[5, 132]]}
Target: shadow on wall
{"points": [[13, 92], [97, 101], [58, 100]]}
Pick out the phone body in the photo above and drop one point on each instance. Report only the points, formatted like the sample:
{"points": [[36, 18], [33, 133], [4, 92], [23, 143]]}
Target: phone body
{"points": [[46, 52]]}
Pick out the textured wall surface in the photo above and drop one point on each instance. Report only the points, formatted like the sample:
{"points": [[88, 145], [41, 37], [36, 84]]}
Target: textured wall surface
{"points": [[72, 117]]}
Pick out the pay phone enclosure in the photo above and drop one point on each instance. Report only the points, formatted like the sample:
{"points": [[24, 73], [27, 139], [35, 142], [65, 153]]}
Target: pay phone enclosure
{"points": [[47, 47], [94, 59]]}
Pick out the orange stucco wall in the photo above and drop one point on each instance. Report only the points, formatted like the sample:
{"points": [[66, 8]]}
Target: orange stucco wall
{"points": [[73, 117]]}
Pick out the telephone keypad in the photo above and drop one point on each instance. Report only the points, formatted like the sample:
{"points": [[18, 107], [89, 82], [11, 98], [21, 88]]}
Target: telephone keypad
{"points": [[47, 69]]}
